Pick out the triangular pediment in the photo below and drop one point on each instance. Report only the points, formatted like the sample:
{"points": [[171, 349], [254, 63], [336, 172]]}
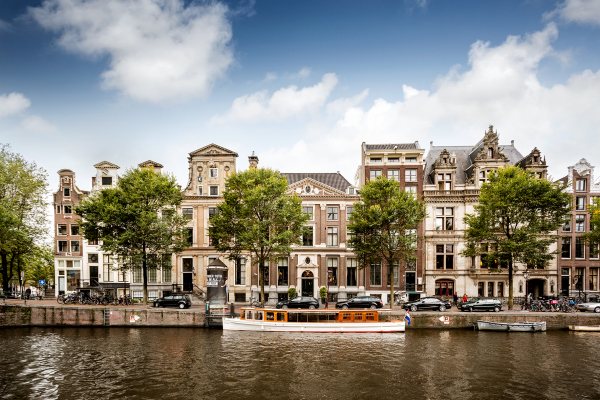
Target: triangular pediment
{"points": [[150, 163], [312, 187], [106, 164], [213, 150]]}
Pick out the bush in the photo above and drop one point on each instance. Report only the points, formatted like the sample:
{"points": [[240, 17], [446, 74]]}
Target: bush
{"points": [[292, 294]]}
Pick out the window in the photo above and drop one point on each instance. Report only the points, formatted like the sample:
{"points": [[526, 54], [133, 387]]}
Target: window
{"points": [[62, 229], [282, 271], [332, 271], [93, 258], [444, 256], [351, 267], [67, 209], [410, 159], [307, 236], [332, 236], [332, 213], [137, 274], [580, 223], [490, 258], [579, 247], [444, 181], [410, 175], [349, 210], [393, 160], [594, 250], [444, 287], [593, 279], [152, 275], [187, 213], [106, 267], [444, 218], [580, 185], [200, 191], [396, 270], [58, 209], [500, 289], [212, 211], [567, 226], [74, 230], [375, 160], [106, 180], [63, 245], [308, 210], [579, 278], [375, 273], [75, 246], [190, 236], [580, 203], [265, 272], [167, 267], [213, 190], [412, 190], [213, 172], [66, 192], [565, 247], [482, 177], [490, 291], [374, 174], [393, 175], [240, 271]]}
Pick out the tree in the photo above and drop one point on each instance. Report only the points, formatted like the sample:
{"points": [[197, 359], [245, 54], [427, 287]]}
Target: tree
{"points": [[23, 189], [514, 220], [136, 221], [258, 217], [383, 224], [40, 266], [593, 236]]}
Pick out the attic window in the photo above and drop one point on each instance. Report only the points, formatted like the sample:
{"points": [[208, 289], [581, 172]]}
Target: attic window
{"points": [[307, 189], [490, 152], [106, 180]]}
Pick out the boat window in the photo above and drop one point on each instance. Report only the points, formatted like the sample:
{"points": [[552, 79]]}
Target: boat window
{"points": [[248, 314], [370, 316], [346, 316], [270, 316], [258, 315], [358, 316], [280, 316]]}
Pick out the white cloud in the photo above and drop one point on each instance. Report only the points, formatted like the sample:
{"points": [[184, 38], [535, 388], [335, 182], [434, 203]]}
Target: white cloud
{"points": [[159, 50], [304, 72], [37, 124], [4, 26], [579, 11], [13, 103], [499, 86], [286, 102]]}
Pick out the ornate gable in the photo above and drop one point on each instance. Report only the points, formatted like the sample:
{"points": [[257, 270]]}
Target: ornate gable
{"points": [[489, 149], [445, 160], [213, 150], [106, 165], [311, 187]]}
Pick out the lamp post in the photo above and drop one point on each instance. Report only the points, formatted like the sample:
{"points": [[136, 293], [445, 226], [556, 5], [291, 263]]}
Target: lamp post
{"points": [[526, 277]]}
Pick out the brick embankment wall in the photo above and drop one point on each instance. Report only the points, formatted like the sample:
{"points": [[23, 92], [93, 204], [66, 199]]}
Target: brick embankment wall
{"points": [[20, 315]]}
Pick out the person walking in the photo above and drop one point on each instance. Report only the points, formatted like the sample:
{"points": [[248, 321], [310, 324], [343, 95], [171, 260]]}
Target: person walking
{"points": [[465, 298]]}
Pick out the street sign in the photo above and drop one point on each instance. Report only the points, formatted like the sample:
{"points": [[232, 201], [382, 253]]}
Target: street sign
{"points": [[42, 282]]}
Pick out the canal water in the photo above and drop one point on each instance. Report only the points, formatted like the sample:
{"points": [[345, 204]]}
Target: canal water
{"points": [[163, 363]]}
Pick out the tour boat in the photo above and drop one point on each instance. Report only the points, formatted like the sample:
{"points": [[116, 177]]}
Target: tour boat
{"points": [[585, 328], [286, 320], [512, 326]]}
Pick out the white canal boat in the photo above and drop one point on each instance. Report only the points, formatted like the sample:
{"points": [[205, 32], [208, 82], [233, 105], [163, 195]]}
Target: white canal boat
{"points": [[584, 328], [276, 320], [512, 326]]}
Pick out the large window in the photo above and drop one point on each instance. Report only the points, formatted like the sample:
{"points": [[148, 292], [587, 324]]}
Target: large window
{"points": [[444, 218], [240, 271], [374, 174], [61, 229], [67, 192], [74, 230], [282, 271], [152, 275], [187, 213], [444, 181], [444, 256], [490, 258], [189, 236], [410, 175], [393, 175], [308, 210], [594, 251], [579, 247], [106, 180], [579, 278], [137, 274], [212, 211], [567, 226], [166, 268], [351, 268], [375, 273], [213, 172], [75, 246], [565, 248], [106, 268], [332, 236], [580, 185], [349, 210], [580, 223], [213, 190], [63, 245], [593, 281], [67, 209], [444, 287], [333, 213], [396, 270], [307, 236], [332, 271], [580, 203], [411, 189]]}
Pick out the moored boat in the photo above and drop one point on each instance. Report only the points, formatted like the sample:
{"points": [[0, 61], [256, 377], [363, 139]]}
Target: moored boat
{"points": [[279, 320], [512, 326], [585, 328]]}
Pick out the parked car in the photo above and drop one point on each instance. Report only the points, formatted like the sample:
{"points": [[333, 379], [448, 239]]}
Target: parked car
{"points": [[173, 300], [482, 305], [299, 302], [589, 306], [360, 302], [428, 303]]}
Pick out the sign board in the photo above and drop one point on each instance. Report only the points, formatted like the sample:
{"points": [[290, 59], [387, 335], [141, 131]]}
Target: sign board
{"points": [[445, 320], [213, 280], [42, 282]]}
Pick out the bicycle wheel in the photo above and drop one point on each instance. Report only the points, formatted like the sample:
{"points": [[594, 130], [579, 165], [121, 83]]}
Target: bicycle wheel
{"points": [[60, 299]]}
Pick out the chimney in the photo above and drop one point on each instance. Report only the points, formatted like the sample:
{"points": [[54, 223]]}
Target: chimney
{"points": [[253, 161]]}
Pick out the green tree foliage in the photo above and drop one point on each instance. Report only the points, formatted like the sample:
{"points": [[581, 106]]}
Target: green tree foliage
{"points": [[40, 266], [516, 216], [593, 236], [384, 224], [23, 223], [136, 220], [258, 217]]}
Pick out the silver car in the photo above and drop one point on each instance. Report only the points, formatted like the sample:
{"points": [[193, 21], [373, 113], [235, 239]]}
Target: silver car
{"points": [[590, 306]]}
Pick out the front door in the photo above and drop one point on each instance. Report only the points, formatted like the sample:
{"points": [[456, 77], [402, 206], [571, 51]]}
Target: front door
{"points": [[188, 284], [93, 275], [308, 287]]}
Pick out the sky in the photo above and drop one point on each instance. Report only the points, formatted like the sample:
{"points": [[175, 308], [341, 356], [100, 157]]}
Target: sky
{"points": [[300, 83]]}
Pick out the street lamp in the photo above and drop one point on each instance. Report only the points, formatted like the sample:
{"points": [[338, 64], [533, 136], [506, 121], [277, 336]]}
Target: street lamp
{"points": [[526, 277]]}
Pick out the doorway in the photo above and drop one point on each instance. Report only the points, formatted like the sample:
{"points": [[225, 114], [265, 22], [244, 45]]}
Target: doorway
{"points": [[93, 275], [308, 284]]}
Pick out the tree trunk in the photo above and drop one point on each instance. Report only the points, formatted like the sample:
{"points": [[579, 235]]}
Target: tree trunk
{"points": [[391, 273], [261, 279], [4, 267], [510, 283], [145, 273]]}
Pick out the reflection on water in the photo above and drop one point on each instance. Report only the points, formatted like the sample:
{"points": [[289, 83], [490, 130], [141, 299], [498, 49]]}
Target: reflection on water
{"points": [[210, 364]]}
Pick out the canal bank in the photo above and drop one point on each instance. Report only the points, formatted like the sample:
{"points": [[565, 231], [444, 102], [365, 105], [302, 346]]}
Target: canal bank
{"points": [[44, 315]]}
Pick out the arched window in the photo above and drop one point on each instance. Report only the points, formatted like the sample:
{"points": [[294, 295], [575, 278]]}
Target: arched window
{"points": [[444, 287], [307, 274]]}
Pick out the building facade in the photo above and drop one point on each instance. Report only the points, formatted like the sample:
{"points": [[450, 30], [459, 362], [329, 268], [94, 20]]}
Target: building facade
{"points": [[579, 261]]}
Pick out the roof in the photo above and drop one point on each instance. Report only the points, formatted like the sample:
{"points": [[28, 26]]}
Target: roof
{"points": [[393, 146], [150, 162], [106, 164], [202, 150], [334, 179]]}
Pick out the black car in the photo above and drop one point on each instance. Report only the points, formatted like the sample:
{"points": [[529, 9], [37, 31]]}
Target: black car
{"points": [[360, 302], [299, 302], [482, 305], [173, 300], [428, 303]]}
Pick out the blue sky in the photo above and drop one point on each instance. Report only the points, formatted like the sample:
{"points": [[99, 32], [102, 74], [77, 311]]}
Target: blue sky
{"points": [[301, 83]]}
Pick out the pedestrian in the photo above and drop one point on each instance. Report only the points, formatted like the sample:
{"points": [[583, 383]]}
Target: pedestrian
{"points": [[465, 298], [455, 298], [224, 285]]}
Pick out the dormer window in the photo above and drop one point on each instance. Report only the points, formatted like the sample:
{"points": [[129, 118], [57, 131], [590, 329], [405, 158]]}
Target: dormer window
{"points": [[444, 181], [106, 180], [490, 152]]}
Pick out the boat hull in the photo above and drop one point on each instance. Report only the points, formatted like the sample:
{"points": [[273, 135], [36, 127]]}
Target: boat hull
{"points": [[512, 326], [584, 328], [236, 324]]}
